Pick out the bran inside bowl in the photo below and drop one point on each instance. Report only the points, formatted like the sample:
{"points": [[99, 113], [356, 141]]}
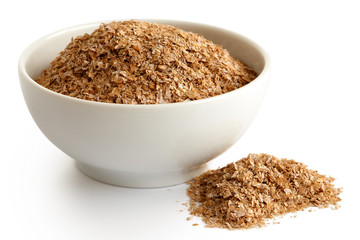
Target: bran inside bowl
{"points": [[134, 62]]}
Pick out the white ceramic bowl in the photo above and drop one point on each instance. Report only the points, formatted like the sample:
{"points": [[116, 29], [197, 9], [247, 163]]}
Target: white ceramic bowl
{"points": [[143, 145]]}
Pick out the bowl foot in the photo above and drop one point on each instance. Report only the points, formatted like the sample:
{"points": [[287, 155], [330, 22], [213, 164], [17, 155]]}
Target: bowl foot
{"points": [[141, 180]]}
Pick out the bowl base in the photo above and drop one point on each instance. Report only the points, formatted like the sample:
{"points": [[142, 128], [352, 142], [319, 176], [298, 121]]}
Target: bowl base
{"points": [[141, 180]]}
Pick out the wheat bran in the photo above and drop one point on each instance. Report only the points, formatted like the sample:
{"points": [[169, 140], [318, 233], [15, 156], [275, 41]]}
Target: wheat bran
{"points": [[257, 188], [134, 62]]}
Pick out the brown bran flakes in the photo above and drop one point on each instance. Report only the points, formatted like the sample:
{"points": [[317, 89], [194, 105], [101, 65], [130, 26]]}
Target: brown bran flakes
{"points": [[247, 193], [133, 62]]}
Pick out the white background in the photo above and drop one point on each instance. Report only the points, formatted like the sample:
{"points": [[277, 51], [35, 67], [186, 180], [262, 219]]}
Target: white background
{"points": [[310, 114]]}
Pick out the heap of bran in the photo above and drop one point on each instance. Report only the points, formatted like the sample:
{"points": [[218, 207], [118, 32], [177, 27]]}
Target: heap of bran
{"points": [[134, 62], [247, 193]]}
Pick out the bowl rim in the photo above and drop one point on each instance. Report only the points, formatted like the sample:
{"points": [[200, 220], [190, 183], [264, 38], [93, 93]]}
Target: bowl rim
{"points": [[34, 45]]}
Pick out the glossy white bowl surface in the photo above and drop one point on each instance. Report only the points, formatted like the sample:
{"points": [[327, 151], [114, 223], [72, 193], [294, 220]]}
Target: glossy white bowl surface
{"points": [[143, 145]]}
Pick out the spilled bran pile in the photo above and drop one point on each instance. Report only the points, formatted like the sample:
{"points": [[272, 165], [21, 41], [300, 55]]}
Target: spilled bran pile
{"points": [[247, 193], [135, 62]]}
